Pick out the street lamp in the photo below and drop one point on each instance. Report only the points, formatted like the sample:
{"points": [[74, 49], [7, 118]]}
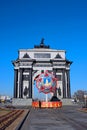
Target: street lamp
{"points": [[85, 97]]}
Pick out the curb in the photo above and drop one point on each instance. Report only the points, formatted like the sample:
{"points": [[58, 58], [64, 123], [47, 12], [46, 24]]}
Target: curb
{"points": [[82, 110], [21, 123]]}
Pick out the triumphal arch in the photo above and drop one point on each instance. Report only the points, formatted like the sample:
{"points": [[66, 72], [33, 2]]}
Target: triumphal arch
{"points": [[31, 63]]}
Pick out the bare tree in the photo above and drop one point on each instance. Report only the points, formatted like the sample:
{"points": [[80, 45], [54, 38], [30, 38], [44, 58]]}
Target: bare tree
{"points": [[79, 95]]}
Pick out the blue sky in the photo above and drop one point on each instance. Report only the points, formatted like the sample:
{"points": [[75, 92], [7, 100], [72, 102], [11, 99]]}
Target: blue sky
{"points": [[62, 23]]}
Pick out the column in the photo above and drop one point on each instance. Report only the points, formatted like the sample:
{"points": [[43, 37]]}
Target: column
{"points": [[15, 82], [54, 71], [30, 83], [68, 84], [64, 84], [21, 83]]}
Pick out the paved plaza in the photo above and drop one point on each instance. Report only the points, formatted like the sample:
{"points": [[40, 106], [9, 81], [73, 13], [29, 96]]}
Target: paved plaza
{"points": [[65, 118]]}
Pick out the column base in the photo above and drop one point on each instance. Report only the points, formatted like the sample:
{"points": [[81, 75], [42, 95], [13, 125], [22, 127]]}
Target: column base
{"points": [[21, 102], [66, 101]]}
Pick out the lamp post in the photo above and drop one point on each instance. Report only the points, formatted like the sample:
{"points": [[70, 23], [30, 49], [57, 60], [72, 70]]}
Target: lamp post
{"points": [[85, 97]]}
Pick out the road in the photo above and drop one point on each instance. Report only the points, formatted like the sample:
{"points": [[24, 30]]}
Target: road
{"points": [[65, 118]]}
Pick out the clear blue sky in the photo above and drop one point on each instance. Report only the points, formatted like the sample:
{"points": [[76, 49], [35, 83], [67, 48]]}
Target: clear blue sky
{"points": [[63, 24]]}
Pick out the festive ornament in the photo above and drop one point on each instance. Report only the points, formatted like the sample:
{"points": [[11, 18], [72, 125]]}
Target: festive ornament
{"points": [[46, 82]]}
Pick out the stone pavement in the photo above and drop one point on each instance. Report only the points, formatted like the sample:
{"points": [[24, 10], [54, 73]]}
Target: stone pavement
{"points": [[66, 118]]}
